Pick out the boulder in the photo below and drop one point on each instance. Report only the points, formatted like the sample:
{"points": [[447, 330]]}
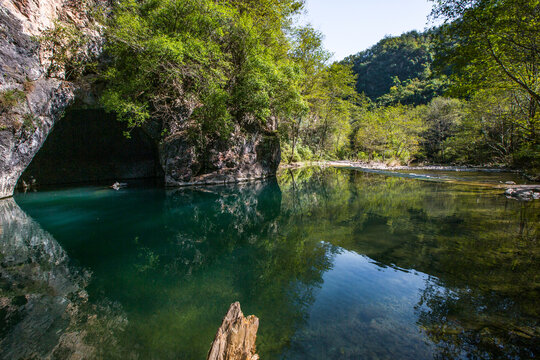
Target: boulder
{"points": [[242, 157]]}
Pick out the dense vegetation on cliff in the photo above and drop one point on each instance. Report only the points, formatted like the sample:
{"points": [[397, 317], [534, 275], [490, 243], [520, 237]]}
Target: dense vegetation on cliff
{"points": [[204, 66]]}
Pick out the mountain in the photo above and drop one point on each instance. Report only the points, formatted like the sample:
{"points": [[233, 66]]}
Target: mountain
{"points": [[398, 69]]}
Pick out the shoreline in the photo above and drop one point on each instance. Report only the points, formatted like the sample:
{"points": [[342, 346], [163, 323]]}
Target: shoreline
{"points": [[510, 188], [384, 166]]}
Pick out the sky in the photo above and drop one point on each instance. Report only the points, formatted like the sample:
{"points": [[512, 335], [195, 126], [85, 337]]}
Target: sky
{"points": [[350, 26]]}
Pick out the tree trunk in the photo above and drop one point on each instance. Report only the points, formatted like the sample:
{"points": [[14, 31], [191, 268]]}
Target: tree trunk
{"points": [[235, 339]]}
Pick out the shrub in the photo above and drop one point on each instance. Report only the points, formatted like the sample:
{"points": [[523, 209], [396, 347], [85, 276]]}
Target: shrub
{"points": [[10, 98], [28, 122]]}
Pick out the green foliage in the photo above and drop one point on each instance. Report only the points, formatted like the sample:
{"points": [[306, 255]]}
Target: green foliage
{"points": [[10, 98], [491, 43], [321, 128], [415, 91], [66, 43], [200, 65], [491, 47], [301, 152], [441, 120], [388, 133], [28, 122], [398, 70], [207, 68], [489, 132]]}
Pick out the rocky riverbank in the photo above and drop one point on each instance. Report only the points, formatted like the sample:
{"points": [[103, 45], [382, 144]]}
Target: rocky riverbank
{"points": [[392, 166]]}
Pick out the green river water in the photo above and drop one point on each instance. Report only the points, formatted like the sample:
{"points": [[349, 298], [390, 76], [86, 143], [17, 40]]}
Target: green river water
{"points": [[336, 263]]}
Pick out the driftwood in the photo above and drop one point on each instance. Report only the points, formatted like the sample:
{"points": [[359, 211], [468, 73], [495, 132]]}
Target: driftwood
{"points": [[235, 339]]}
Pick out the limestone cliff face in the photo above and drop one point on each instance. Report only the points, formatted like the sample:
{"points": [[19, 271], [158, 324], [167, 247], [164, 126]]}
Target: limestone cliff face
{"points": [[35, 92], [31, 98], [242, 157]]}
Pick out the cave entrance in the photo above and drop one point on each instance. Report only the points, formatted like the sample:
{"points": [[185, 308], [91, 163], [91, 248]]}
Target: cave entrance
{"points": [[89, 146]]}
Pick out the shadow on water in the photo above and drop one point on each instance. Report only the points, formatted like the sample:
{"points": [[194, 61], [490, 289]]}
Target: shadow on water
{"points": [[336, 264]]}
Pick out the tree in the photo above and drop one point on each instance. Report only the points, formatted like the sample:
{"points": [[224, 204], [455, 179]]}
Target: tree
{"points": [[330, 98], [391, 132], [441, 119], [201, 66], [494, 43], [333, 108], [310, 57]]}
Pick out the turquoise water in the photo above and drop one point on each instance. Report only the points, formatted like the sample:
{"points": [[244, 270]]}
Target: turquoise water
{"points": [[336, 263]]}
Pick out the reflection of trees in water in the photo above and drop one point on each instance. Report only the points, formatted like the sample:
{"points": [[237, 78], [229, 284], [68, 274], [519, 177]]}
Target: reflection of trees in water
{"points": [[243, 224], [269, 248], [205, 223], [478, 324], [43, 304], [218, 245], [489, 306], [483, 249]]}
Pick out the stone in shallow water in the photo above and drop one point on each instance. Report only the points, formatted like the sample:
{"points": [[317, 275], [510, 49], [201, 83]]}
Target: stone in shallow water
{"points": [[525, 194]]}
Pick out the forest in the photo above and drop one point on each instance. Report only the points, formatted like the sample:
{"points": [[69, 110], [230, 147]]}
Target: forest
{"points": [[466, 92]]}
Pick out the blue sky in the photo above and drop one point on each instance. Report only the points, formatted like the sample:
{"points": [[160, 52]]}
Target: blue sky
{"points": [[351, 26]]}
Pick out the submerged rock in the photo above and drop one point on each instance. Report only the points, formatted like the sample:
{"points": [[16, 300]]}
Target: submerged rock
{"points": [[117, 185], [235, 339]]}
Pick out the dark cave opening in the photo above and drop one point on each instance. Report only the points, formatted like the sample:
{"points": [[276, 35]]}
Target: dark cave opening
{"points": [[89, 146]]}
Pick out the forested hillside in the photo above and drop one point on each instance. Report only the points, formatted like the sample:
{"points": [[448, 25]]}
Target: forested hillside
{"points": [[466, 92], [399, 69]]}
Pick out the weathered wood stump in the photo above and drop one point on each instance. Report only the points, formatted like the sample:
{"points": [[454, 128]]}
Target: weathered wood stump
{"points": [[235, 339]]}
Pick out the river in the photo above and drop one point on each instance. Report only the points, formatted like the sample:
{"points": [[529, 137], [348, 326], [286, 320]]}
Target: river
{"points": [[337, 263]]}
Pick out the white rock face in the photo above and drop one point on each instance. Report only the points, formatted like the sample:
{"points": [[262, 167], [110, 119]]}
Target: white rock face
{"points": [[35, 16], [23, 68]]}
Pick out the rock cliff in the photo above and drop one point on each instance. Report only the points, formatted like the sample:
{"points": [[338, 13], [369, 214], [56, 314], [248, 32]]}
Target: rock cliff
{"points": [[32, 98], [36, 89]]}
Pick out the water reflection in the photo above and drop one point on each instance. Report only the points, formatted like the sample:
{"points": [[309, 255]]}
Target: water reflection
{"points": [[176, 259], [481, 253], [336, 264], [44, 310]]}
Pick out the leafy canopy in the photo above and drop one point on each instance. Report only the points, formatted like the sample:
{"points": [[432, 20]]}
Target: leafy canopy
{"points": [[202, 66]]}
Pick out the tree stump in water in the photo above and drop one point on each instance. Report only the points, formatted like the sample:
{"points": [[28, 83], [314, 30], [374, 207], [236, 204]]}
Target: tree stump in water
{"points": [[235, 339]]}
